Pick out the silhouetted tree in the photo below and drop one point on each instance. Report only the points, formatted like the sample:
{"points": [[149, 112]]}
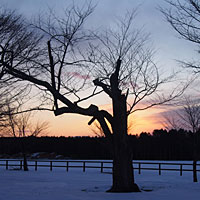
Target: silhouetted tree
{"points": [[187, 116], [119, 63], [184, 17], [17, 125]]}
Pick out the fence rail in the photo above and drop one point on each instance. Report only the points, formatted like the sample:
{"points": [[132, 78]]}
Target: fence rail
{"points": [[101, 165]]}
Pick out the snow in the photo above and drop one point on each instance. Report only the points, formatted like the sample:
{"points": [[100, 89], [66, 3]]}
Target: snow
{"points": [[91, 185]]}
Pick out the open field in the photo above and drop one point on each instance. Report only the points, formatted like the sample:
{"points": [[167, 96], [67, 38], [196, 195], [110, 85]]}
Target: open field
{"points": [[90, 185]]}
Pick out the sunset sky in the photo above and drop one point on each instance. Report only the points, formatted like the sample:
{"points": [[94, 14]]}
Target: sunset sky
{"points": [[165, 41]]}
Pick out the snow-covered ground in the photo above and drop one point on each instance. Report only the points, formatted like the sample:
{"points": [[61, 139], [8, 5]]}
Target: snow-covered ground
{"points": [[91, 185]]}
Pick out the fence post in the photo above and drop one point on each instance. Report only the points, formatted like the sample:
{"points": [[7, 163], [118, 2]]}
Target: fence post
{"points": [[139, 168], [101, 167], [83, 166], [159, 168], [20, 164], [181, 169], [35, 165], [51, 166], [67, 166], [6, 164]]}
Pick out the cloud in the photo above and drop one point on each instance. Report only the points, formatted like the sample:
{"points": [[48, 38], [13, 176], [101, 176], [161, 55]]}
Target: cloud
{"points": [[79, 75]]}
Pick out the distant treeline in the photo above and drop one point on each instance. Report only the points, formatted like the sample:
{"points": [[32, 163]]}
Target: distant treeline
{"points": [[160, 145]]}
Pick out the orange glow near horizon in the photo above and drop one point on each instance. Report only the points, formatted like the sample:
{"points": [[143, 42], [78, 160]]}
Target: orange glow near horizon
{"points": [[145, 121], [76, 125]]}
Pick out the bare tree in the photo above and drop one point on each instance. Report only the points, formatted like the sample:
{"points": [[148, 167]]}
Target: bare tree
{"points": [[127, 74], [192, 119], [169, 120], [187, 116], [15, 123], [119, 64], [18, 39], [184, 17], [20, 125], [39, 129]]}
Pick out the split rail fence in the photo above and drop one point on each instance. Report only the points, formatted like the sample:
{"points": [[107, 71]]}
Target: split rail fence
{"points": [[103, 166]]}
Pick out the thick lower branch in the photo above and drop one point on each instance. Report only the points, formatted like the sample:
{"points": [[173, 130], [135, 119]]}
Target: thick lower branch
{"points": [[90, 111], [71, 107], [101, 116], [105, 127]]}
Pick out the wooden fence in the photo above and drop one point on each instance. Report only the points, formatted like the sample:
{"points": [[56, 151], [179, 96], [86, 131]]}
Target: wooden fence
{"points": [[103, 166]]}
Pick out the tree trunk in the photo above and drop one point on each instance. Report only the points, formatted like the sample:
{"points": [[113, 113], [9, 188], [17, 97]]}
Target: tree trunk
{"points": [[195, 156], [123, 176], [195, 171], [25, 164]]}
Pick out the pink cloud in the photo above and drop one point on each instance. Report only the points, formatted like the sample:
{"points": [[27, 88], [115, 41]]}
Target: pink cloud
{"points": [[78, 75]]}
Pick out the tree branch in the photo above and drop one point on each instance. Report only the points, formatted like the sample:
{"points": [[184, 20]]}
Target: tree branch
{"points": [[105, 88], [51, 63]]}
